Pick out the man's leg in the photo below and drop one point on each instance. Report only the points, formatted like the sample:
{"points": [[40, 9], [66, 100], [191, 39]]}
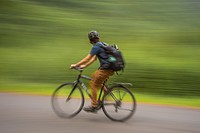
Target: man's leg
{"points": [[98, 77], [97, 80]]}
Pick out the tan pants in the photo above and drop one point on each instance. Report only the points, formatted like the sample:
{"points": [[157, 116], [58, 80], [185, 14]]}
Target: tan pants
{"points": [[98, 77]]}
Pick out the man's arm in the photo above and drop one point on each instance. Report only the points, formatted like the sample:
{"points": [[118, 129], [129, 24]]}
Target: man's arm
{"points": [[89, 59], [89, 62]]}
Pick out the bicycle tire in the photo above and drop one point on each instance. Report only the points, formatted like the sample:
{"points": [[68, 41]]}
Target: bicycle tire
{"points": [[64, 107], [119, 104]]}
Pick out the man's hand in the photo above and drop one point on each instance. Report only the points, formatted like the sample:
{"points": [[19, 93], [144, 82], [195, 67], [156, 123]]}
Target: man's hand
{"points": [[73, 66]]}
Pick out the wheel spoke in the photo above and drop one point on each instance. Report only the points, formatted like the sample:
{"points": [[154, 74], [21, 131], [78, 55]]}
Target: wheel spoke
{"points": [[124, 94], [124, 109], [120, 104], [67, 100]]}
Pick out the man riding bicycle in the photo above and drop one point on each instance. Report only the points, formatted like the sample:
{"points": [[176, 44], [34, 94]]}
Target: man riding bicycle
{"points": [[100, 75]]}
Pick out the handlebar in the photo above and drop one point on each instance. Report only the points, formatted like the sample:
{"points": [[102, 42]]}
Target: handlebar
{"points": [[78, 69]]}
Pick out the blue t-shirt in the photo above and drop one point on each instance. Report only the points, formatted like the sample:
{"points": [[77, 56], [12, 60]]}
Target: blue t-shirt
{"points": [[100, 53]]}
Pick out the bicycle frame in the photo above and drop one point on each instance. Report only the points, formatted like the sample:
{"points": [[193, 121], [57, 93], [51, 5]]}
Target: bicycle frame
{"points": [[112, 99], [80, 83]]}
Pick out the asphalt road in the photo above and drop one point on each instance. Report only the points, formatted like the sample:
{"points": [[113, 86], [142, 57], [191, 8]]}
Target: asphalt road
{"points": [[33, 114]]}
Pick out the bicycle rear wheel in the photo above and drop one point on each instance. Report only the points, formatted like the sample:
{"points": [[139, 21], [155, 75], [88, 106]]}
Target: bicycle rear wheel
{"points": [[119, 103], [67, 101]]}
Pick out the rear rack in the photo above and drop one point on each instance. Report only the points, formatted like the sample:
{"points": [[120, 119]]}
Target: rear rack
{"points": [[121, 83]]}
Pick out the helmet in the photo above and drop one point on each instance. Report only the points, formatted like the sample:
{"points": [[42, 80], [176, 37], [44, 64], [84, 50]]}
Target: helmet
{"points": [[93, 35]]}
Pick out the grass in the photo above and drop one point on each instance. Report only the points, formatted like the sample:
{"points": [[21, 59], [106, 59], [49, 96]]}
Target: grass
{"points": [[47, 90], [169, 100], [40, 39]]}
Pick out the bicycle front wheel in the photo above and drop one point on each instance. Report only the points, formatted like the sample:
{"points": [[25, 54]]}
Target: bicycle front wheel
{"points": [[67, 101], [119, 103]]}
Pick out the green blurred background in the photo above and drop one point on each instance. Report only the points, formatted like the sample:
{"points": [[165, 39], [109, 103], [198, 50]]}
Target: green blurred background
{"points": [[160, 41]]}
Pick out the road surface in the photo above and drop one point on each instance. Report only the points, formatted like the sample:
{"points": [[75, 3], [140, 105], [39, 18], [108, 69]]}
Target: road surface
{"points": [[33, 114]]}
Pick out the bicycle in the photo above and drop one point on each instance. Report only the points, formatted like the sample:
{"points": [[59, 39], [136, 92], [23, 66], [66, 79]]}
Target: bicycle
{"points": [[118, 102]]}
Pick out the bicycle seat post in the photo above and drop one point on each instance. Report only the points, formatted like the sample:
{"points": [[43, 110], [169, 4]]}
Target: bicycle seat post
{"points": [[104, 82]]}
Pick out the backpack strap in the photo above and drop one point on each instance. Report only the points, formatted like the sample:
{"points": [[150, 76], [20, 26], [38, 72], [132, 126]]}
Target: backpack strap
{"points": [[102, 44]]}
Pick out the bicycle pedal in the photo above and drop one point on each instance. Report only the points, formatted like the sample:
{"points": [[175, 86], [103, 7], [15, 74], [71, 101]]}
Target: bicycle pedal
{"points": [[90, 110]]}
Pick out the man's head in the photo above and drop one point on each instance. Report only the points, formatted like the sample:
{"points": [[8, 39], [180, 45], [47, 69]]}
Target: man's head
{"points": [[93, 37]]}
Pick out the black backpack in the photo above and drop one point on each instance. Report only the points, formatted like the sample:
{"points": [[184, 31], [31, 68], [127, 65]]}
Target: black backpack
{"points": [[115, 59]]}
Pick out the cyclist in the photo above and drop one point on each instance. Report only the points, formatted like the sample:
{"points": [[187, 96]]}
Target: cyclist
{"points": [[100, 75]]}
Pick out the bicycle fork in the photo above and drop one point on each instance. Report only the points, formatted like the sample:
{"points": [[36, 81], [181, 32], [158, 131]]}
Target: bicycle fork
{"points": [[74, 87]]}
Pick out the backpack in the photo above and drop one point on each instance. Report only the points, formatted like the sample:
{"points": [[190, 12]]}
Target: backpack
{"points": [[115, 59]]}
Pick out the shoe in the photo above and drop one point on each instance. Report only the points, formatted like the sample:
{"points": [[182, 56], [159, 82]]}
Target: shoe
{"points": [[90, 109]]}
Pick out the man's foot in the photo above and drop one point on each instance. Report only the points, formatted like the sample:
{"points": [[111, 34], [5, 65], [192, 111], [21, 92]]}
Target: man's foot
{"points": [[90, 109]]}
